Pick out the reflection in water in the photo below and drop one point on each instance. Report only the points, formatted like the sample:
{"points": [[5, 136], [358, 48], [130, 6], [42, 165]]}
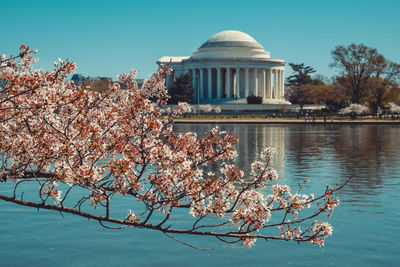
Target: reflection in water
{"points": [[366, 152], [252, 140]]}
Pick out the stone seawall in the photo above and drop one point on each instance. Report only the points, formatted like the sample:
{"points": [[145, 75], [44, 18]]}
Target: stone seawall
{"points": [[259, 107]]}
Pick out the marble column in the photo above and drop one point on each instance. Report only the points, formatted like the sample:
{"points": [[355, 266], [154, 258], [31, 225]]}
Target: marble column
{"points": [[209, 87], [246, 83], [228, 83], [194, 84], [201, 83], [219, 89], [282, 85], [277, 90], [278, 87], [269, 81], [255, 89], [275, 84], [262, 83], [237, 83]]}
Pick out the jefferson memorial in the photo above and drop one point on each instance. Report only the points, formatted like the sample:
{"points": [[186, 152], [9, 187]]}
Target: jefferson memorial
{"points": [[228, 67]]}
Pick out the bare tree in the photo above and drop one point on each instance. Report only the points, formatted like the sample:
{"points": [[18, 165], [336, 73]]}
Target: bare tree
{"points": [[357, 63]]}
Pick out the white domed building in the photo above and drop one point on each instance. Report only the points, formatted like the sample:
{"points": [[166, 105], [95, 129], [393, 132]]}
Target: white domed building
{"points": [[230, 66]]}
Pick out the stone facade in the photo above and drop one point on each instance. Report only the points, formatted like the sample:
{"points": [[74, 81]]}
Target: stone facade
{"points": [[228, 67]]}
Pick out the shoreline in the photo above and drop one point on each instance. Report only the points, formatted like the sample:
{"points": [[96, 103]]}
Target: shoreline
{"points": [[287, 121]]}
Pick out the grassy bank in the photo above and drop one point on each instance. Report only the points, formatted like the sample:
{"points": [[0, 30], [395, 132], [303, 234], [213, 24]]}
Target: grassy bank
{"points": [[284, 119]]}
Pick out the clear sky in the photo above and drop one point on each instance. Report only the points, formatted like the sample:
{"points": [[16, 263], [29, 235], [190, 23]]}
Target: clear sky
{"points": [[107, 38]]}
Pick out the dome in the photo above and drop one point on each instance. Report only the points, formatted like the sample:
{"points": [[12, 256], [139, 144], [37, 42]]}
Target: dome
{"points": [[230, 45], [231, 39]]}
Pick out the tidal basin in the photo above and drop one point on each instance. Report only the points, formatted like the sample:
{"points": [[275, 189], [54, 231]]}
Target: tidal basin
{"points": [[365, 224]]}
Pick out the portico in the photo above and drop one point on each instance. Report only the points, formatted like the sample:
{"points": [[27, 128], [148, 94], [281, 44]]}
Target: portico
{"points": [[231, 65]]}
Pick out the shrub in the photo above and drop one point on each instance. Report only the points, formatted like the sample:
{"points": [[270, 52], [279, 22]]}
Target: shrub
{"points": [[252, 99]]}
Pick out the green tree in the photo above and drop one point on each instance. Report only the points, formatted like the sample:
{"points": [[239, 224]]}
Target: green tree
{"points": [[301, 75], [181, 90], [300, 84]]}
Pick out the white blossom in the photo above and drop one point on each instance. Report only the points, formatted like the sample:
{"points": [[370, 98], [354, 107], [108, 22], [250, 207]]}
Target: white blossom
{"points": [[394, 108], [205, 108], [354, 108], [217, 109]]}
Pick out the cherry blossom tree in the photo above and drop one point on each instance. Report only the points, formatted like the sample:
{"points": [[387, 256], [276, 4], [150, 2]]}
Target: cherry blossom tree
{"points": [[354, 110], [217, 109], [394, 108], [206, 108], [85, 150]]}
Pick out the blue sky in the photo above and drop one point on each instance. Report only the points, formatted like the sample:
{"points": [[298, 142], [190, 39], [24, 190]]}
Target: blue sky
{"points": [[106, 38]]}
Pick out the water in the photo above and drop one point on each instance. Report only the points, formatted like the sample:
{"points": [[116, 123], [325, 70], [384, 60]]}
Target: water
{"points": [[365, 224]]}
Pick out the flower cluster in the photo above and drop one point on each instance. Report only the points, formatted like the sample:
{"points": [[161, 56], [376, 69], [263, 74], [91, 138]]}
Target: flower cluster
{"points": [[394, 108], [355, 108], [329, 203], [132, 218], [288, 233], [49, 189], [321, 230]]}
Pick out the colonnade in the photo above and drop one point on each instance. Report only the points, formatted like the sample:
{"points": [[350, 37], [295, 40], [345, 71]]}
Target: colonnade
{"points": [[237, 82]]}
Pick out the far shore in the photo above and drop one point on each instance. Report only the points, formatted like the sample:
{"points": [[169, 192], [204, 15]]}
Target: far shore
{"points": [[232, 120]]}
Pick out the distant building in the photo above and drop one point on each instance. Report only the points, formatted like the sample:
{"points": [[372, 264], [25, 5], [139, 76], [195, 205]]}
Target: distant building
{"points": [[139, 82], [79, 79], [230, 66]]}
